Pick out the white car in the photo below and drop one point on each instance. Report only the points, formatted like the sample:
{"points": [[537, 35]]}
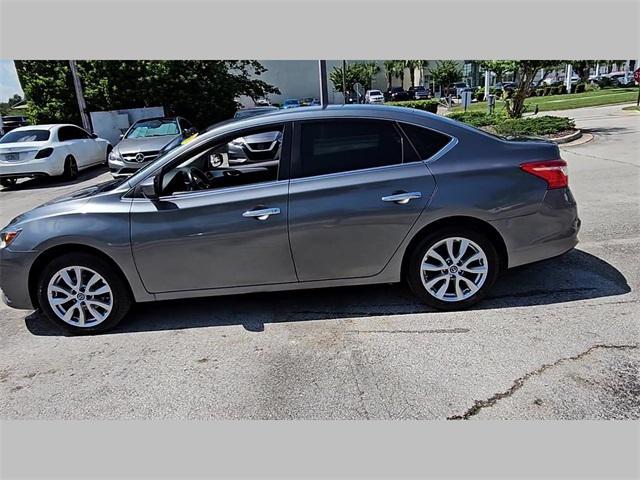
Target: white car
{"points": [[49, 150], [373, 96]]}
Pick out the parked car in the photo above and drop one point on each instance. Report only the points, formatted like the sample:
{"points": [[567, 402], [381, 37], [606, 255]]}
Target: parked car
{"points": [[309, 101], [291, 103], [350, 199], [145, 141], [10, 122], [506, 86], [619, 78], [419, 92], [49, 150], [459, 87], [373, 96], [397, 94], [263, 102], [252, 112]]}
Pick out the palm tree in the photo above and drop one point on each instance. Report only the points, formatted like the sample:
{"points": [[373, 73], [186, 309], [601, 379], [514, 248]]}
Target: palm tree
{"points": [[412, 65], [389, 68]]}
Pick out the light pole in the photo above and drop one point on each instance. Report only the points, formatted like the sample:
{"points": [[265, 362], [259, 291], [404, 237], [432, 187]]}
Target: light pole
{"points": [[344, 82], [322, 70], [567, 81], [86, 123]]}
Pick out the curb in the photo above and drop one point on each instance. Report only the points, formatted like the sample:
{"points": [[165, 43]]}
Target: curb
{"points": [[568, 138]]}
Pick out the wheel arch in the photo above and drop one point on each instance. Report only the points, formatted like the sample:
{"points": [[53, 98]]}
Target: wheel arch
{"points": [[459, 221], [46, 256]]}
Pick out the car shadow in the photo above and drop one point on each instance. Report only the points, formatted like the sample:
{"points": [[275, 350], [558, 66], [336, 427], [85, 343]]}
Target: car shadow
{"points": [[575, 276], [54, 182]]}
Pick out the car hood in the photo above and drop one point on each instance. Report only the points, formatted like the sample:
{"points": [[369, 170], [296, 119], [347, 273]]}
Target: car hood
{"points": [[67, 203], [134, 145]]}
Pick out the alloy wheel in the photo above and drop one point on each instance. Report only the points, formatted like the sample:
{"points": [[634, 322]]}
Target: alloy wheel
{"points": [[80, 296], [454, 269]]}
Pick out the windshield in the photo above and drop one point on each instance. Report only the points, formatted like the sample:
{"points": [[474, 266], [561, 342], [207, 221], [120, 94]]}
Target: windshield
{"points": [[375, 92], [420, 88], [16, 136], [154, 128]]}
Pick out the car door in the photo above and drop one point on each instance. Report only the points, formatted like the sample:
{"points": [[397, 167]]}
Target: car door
{"points": [[230, 235], [357, 188], [79, 144]]}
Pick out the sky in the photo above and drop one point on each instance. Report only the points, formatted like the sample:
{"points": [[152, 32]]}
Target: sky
{"points": [[9, 84]]}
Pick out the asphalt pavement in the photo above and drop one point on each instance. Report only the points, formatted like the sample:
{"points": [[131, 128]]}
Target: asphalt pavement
{"points": [[555, 340]]}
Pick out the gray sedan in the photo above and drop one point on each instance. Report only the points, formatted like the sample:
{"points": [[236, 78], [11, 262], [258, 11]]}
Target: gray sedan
{"points": [[353, 195]]}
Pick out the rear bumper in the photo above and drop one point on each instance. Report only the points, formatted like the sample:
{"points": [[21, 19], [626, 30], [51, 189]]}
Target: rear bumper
{"points": [[49, 166], [551, 231]]}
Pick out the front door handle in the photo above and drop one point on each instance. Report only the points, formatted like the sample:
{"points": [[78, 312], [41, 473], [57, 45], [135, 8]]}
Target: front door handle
{"points": [[402, 198], [261, 214]]}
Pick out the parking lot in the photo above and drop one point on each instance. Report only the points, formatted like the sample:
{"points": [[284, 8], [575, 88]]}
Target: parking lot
{"points": [[555, 340]]}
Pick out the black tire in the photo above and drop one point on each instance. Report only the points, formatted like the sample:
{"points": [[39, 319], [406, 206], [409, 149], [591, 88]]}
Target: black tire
{"points": [[106, 157], [414, 272], [70, 168], [8, 182], [121, 296]]}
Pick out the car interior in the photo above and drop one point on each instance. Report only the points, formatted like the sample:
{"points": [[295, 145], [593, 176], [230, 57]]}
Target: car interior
{"points": [[218, 166]]}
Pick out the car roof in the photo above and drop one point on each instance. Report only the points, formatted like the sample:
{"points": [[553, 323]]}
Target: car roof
{"points": [[48, 126], [358, 111]]}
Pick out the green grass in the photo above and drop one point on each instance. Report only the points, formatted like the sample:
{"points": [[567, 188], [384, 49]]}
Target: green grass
{"points": [[608, 96]]}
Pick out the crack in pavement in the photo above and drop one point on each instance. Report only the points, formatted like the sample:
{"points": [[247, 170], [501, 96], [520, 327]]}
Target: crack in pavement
{"points": [[435, 330], [519, 382]]}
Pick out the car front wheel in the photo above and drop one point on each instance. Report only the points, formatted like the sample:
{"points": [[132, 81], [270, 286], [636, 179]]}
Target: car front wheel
{"points": [[453, 269], [83, 293]]}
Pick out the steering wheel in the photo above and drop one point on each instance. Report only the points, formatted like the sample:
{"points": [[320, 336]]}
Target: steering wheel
{"points": [[197, 179]]}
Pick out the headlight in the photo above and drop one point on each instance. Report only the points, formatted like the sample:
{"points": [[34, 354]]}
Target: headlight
{"points": [[115, 156], [7, 237]]}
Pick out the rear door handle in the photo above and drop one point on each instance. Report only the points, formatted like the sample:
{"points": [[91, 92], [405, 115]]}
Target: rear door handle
{"points": [[261, 214], [402, 198]]}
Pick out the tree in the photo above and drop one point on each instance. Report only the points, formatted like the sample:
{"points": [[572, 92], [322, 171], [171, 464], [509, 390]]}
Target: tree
{"points": [[446, 73], [499, 67], [582, 68], [389, 68], [203, 91], [526, 72], [362, 73], [412, 65]]}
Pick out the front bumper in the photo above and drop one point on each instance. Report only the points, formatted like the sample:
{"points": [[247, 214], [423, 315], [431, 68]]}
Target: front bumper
{"points": [[122, 168], [14, 278]]}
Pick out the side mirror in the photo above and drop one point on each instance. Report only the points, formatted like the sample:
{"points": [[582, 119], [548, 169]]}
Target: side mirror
{"points": [[94, 135], [149, 188], [121, 136]]}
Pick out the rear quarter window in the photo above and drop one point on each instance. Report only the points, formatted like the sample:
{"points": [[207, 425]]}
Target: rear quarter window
{"points": [[426, 142]]}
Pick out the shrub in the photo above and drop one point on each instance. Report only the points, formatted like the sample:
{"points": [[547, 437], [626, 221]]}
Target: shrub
{"points": [[562, 89], [476, 118], [546, 91], [553, 91], [591, 87], [544, 125], [580, 87], [426, 105]]}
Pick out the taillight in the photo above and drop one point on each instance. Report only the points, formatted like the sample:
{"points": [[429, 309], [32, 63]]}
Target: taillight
{"points": [[554, 172], [44, 153]]}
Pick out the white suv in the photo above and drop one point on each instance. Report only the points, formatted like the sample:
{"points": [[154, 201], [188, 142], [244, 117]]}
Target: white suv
{"points": [[373, 96]]}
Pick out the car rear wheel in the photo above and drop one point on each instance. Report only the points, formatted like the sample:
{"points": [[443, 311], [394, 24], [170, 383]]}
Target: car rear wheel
{"points": [[83, 294], [70, 168], [453, 269]]}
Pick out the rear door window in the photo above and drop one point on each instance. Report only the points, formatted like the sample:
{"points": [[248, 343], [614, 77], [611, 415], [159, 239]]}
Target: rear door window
{"points": [[337, 145]]}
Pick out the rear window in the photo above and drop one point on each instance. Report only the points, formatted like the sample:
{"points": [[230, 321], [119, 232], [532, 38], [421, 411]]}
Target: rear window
{"points": [[427, 142], [25, 136]]}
